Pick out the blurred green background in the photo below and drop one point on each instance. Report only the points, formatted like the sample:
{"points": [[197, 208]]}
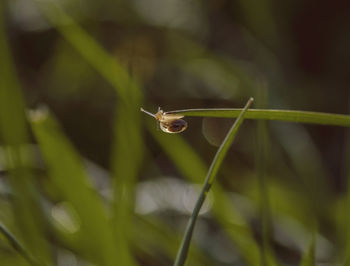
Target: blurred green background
{"points": [[87, 179]]}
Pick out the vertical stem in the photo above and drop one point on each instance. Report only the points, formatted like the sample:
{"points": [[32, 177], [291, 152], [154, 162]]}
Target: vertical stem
{"points": [[215, 165], [261, 163]]}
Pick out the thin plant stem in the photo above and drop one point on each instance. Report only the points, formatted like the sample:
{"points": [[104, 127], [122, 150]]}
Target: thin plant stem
{"points": [[271, 114], [17, 245], [213, 170]]}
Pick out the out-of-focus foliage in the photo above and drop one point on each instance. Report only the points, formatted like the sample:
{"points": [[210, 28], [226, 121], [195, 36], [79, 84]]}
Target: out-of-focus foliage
{"points": [[87, 179]]}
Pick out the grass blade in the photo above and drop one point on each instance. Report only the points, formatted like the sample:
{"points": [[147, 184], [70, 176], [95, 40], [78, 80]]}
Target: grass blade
{"points": [[127, 146], [14, 138], [89, 49], [213, 170], [68, 176], [224, 211], [261, 160], [270, 114], [125, 164], [154, 232]]}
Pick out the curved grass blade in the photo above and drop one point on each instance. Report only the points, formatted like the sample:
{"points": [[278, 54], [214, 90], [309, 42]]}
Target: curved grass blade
{"points": [[270, 114], [213, 170], [224, 211]]}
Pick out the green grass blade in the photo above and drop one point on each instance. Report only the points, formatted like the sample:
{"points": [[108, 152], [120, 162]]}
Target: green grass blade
{"points": [[154, 232], [105, 64], [68, 176], [261, 160], [270, 114], [127, 147], [126, 160], [213, 170], [226, 214], [14, 138]]}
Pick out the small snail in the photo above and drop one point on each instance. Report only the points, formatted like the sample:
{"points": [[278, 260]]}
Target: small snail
{"points": [[169, 123]]}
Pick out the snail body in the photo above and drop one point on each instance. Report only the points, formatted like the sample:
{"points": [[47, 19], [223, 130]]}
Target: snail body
{"points": [[169, 123]]}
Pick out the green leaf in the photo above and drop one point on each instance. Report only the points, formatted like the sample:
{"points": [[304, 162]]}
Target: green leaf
{"points": [[194, 169], [67, 174], [261, 160], [158, 236], [14, 138], [270, 114], [212, 172], [127, 146], [105, 64], [126, 160]]}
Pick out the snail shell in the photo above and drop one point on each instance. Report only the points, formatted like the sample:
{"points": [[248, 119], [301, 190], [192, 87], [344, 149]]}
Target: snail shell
{"points": [[169, 123]]}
